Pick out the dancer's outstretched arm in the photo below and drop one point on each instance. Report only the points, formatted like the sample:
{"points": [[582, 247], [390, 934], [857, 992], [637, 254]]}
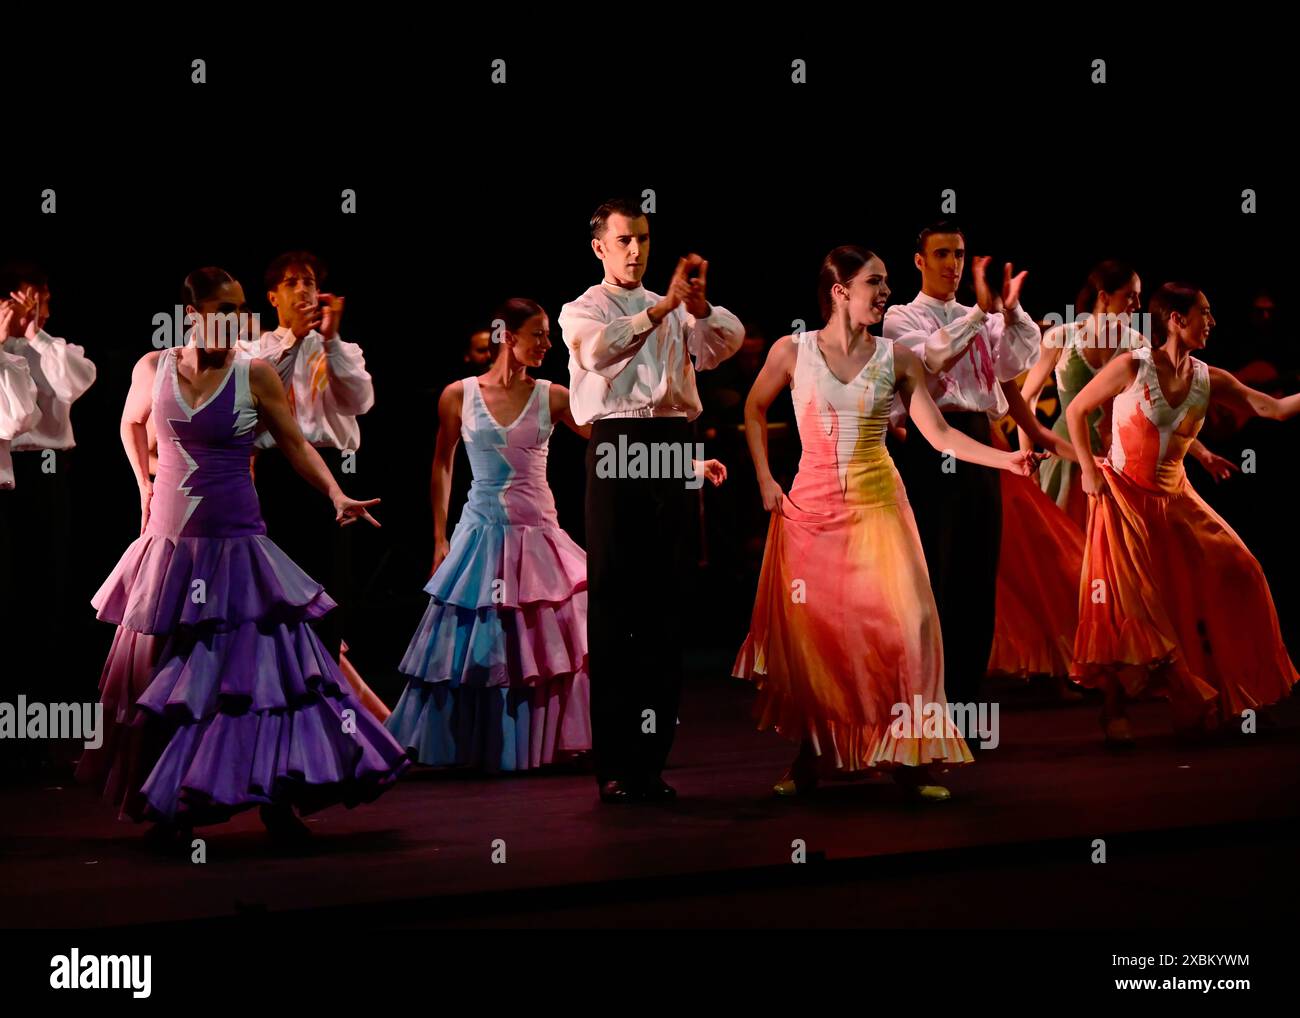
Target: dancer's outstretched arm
{"points": [[1049, 351], [1031, 429], [135, 437], [1227, 389], [444, 454], [1106, 384], [273, 410], [909, 381], [777, 374]]}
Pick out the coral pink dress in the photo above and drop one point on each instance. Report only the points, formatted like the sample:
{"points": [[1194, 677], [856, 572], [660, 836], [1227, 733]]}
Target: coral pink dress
{"points": [[1038, 583], [845, 625], [1167, 585]]}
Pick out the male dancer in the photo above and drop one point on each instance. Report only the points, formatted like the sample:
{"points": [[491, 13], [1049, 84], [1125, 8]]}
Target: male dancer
{"points": [[631, 376], [36, 539], [328, 386], [968, 354]]}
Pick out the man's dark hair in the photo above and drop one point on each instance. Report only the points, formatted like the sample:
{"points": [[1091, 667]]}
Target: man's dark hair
{"points": [[15, 274], [294, 259], [615, 206], [939, 226]]}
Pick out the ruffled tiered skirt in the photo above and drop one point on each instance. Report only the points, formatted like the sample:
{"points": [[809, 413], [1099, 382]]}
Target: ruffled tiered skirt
{"points": [[498, 663], [218, 696]]}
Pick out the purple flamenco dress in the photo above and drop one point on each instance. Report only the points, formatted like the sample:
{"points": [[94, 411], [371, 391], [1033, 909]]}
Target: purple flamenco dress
{"points": [[217, 694]]}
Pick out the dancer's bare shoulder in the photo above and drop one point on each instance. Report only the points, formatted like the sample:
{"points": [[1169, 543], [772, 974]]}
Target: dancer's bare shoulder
{"points": [[449, 403], [785, 351], [148, 363], [559, 398]]}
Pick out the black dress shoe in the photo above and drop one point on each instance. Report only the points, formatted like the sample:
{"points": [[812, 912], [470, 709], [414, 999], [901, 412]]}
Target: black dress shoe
{"points": [[658, 790], [617, 791]]}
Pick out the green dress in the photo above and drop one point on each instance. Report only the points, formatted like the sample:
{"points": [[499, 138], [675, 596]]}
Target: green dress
{"points": [[1073, 372]]}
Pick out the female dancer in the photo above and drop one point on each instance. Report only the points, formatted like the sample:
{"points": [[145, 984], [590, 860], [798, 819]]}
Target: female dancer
{"points": [[845, 629], [1076, 351], [227, 696], [1170, 599], [365, 694], [498, 664]]}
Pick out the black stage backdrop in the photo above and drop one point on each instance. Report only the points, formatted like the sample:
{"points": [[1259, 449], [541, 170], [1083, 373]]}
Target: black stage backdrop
{"points": [[484, 193]]}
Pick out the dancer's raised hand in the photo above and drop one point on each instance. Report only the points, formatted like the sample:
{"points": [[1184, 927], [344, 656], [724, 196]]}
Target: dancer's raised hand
{"points": [[330, 310], [679, 289], [1011, 287], [27, 307], [308, 317], [696, 302], [984, 296]]}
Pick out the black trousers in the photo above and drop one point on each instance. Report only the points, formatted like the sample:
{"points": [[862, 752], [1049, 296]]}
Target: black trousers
{"points": [[959, 516], [301, 521], [637, 574], [46, 655], [36, 547]]}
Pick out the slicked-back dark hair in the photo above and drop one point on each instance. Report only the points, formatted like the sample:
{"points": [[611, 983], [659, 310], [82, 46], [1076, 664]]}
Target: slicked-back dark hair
{"points": [[514, 313], [202, 283], [1171, 297], [615, 206], [938, 226], [839, 266]]}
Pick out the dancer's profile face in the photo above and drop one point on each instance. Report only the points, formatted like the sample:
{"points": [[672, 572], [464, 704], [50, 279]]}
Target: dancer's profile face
{"points": [[531, 341], [1124, 302], [942, 263], [1195, 331], [867, 294], [624, 248], [222, 320], [297, 287]]}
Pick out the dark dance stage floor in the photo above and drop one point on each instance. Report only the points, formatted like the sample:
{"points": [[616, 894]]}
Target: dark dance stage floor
{"points": [[1194, 835]]}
